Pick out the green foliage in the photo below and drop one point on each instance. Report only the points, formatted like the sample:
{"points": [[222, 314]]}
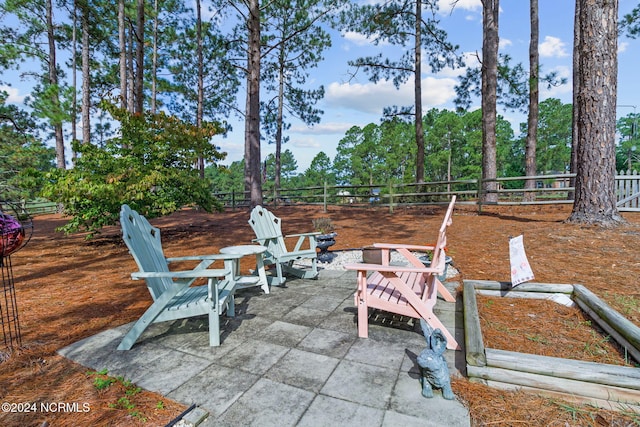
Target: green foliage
{"points": [[220, 77], [101, 380], [513, 85], [320, 171], [375, 153], [630, 23], [553, 150], [149, 166], [288, 167], [628, 148], [453, 149], [23, 158], [226, 179]]}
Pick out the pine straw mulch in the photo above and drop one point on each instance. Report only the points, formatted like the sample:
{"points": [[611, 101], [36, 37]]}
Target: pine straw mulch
{"points": [[69, 288]]}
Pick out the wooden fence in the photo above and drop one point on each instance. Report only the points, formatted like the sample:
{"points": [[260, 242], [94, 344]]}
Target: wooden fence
{"points": [[550, 189], [628, 191]]}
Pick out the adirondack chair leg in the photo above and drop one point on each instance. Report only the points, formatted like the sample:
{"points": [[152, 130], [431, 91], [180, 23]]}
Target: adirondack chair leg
{"points": [[214, 328], [231, 306], [444, 292], [146, 319], [363, 310], [280, 274], [363, 320], [261, 273]]}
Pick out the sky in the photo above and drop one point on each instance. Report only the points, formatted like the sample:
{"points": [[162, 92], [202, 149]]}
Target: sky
{"points": [[355, 101], [352, 100]]}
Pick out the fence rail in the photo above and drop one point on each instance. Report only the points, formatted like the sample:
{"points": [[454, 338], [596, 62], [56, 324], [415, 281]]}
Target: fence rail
{"points": [[40, 207], [550, 189], [628, 191]]}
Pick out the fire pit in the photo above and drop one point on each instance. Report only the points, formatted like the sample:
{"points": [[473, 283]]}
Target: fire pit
{"points": [[15, 231], [12, 235]]}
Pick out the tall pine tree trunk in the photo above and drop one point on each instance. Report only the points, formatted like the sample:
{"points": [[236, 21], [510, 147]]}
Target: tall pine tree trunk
{"points": [[74, 80], [53, 82], [200, 72], [595, 195], [253, 176], [490, 40], [86, 77], [574, 118], [279, 121], [139, 82], [532, 119], [154, 58], [418, 96], [130, 72], [122, 42]]}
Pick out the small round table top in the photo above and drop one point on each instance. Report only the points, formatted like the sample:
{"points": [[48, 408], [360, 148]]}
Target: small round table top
{"points": [[243, 250]]}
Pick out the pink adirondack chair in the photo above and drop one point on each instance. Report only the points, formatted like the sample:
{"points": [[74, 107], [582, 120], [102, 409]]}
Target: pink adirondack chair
{"points": [[405, 290]]}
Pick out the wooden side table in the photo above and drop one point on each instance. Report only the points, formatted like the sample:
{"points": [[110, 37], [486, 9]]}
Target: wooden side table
{"points": [[253, 280]]}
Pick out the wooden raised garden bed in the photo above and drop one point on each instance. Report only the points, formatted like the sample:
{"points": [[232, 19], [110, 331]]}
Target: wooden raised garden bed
{"points": [[607, 386]]}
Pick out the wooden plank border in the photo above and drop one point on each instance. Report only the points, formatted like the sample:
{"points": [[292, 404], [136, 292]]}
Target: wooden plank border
{"points": [[602, 385]]}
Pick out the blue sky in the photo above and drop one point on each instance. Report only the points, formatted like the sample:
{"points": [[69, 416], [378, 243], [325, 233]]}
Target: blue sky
{"points": [[355, 101]]}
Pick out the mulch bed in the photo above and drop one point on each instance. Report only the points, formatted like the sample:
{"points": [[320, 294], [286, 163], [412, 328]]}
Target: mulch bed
{"points": [[69, 288]]}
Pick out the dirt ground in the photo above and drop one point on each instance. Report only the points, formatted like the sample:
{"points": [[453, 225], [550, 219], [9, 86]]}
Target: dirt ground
{"points": [[69, 288]]}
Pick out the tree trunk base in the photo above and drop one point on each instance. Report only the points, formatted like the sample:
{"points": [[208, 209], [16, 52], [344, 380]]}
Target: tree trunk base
{"points": [[596, 218]]}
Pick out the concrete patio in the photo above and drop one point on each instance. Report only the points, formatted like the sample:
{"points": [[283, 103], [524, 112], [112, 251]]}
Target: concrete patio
{"points": [[289, 358]]}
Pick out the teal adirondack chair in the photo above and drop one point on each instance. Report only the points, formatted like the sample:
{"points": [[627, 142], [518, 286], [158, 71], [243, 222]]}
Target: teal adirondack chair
{"points": [[173, 296], [268, 230]]}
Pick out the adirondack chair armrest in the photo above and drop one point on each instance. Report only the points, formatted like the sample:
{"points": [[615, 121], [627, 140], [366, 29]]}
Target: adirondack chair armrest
{"points": [[312, 233], [403, 246], [188, 274], [302, 237], [213, 257], [205, 260], [390, 268], [264, 238]]}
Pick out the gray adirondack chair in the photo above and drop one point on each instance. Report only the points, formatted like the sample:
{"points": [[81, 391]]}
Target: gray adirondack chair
{"points": [[268, 230], [173, 296]]}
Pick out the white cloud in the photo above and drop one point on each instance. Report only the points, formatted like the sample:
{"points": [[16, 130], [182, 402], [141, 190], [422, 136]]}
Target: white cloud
{"points": [[622, 46], [322, 128], [503, 43], [437, 91], [553, 47], [356, 38], [373, 97], [361, 40], [307, 142], [446, 5], [14, 95]]}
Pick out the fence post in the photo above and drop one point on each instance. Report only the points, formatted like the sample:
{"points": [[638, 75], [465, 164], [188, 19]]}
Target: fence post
{"points": [[390, 196], [325, 198], [480, 186], [233, 200]]}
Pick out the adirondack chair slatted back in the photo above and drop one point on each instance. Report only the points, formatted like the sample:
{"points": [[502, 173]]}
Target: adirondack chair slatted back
{"points": [[144, 243], [439, 255], [268, 230]]}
